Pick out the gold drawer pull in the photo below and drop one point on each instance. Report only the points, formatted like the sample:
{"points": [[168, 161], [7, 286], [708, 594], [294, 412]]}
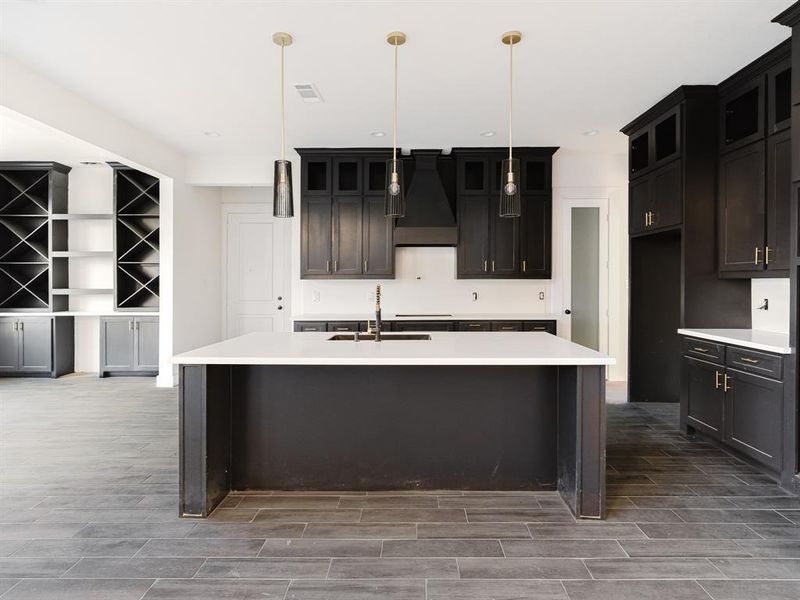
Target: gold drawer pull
{"points": [[699, 349], [726, 386], [752, 361], [717, 383], [757, 261]]}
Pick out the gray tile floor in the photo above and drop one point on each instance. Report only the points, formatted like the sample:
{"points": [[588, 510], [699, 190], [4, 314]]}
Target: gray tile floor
{"points": [[88, 483]]}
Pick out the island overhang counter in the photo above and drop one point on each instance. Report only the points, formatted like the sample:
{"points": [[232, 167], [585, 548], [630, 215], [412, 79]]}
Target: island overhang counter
{"points": [[470, 411]]}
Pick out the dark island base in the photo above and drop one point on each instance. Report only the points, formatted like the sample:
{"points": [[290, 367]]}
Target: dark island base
{"points": [[359, 428]]}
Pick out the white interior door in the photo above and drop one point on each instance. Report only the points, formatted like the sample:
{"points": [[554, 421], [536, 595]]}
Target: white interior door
{"points": [[585, 264], [256, 270]]}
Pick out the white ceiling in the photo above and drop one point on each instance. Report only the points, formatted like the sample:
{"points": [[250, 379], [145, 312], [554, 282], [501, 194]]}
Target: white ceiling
{"points": [[177, 68]]}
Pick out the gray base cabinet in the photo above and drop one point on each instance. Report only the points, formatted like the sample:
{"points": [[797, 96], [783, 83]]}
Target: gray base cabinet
{"points": [[128, 346], [734, 395], [36, 346], [548, 326]]}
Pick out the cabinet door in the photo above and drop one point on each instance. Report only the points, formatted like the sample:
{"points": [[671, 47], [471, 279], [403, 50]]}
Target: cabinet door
{"points": [[639, 152], [423, 326], [116, 344], [474, 326], [741, 205], [546, 326], [473, 236], [313, 326], [779, 95], [347, 176], [504, 260], [641, 205], [742, 114], [378, 238], [667, 195], [536, 243], [704, 395], [347, 236], [754, 416], [667, 137], [779, 191], [36, 345], [145, 345], [506, 325], [9, 345], [316, 238]]}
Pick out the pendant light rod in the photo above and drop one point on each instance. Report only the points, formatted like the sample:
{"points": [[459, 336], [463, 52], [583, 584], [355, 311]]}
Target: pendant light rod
{"points": [[511, 38], [395, 38], [283, 39]]}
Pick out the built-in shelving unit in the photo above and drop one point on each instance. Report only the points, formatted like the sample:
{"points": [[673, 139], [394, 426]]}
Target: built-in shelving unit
{"points": [[29, 193], [136, 233]]}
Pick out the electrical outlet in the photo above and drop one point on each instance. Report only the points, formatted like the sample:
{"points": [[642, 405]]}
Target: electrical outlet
{"points": [[315, 296]]}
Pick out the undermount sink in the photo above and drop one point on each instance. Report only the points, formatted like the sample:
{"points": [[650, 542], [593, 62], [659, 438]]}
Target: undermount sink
{"points": [[385, 337]]}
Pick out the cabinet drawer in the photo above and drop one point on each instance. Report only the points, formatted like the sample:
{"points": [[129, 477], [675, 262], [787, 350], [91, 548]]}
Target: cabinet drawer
{"points": [[706, 350], [343, 326], [548, 326], [751, 361], [475, 326], [305, 326], [506, 325]]}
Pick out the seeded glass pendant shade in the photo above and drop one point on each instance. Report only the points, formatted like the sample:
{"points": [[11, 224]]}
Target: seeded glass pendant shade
{"points": [[509, 191], [395, 203], [282, 198]]}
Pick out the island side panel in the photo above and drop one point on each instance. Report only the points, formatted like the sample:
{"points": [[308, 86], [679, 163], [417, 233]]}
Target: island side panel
{"points": [[205, 417], [582, 440], [394, 427]]}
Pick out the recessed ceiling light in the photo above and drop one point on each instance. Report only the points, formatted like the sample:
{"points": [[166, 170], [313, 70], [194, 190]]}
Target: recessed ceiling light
{"points": [[591, 132], [378, 133], [212, 134], [487, 133]]}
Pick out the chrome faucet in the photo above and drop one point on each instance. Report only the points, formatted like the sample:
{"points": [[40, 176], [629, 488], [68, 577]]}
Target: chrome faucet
{"points": [[376, 331]]}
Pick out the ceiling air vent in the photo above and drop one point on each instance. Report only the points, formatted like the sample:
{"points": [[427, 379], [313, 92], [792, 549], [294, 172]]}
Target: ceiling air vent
{"points": [[308, 92]]}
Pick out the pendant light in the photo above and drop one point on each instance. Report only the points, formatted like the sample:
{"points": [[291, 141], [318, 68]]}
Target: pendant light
{"points": [[509, 197], [395, 205], [282, 200]]}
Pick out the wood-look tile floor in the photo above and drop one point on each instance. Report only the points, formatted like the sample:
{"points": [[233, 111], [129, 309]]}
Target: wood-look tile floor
{"points": [[88, 484]]}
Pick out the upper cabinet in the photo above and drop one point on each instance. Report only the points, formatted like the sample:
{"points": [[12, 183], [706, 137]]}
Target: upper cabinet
{"points": [[495, 247], [755, 168], [344, 233], [655, 143]]}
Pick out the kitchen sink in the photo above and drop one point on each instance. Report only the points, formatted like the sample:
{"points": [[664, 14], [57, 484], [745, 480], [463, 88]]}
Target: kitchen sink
{"points": [[385, 337]]}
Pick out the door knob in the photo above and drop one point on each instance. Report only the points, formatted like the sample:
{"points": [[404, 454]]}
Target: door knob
{"points": [[567, 311]]}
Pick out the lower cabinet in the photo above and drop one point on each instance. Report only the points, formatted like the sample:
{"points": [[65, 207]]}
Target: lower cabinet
{"points": [[753, 416], [548, 326], [704, 395], [36, 346], [741, 408], [128, 346]]}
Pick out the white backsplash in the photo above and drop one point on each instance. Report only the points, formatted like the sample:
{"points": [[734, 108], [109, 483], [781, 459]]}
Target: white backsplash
{"points": [[776, 318], [426, 283]]}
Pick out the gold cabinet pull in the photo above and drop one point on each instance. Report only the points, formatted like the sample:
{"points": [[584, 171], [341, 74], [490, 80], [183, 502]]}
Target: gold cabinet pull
{"points": [[767, 250], [524, 265], [747, 359], [699, 349], [365, 265], [717, 383], [327, 266], [726, 387], [647, 219], [485, 266], [335, 265], [492, 266], [756, 260]]}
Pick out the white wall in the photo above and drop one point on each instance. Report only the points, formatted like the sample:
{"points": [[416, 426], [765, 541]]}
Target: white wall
{"points": [[776, 317]]}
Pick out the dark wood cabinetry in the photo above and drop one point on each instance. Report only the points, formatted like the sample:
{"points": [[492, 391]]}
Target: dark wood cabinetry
{"points": [[495, 247], [755, 168], [734, 395], [36, 346], [344, 233], [128, 346], [674, 278], [548, 326]]}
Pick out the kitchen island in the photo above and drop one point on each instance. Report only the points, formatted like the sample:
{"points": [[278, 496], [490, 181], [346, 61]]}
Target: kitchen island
{"points": [[479, 411]]}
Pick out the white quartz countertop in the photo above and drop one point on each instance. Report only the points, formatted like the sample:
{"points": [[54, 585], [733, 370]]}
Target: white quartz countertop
{"points": [[444, 348], [428, 317], [768, 341]]}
